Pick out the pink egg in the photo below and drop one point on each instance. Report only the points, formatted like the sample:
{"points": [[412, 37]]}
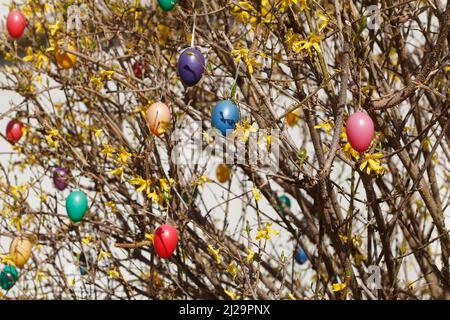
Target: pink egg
{"points": [[360, 131]]}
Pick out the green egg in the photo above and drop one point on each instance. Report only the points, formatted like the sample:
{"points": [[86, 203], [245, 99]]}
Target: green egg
{"points": [[76, 205], [167, 5], [8, 277], [286, 201]]}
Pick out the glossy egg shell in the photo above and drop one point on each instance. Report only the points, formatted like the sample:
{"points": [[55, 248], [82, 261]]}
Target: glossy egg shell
{"points": [[20, 251], [76, 205], [8, 277], [14, 131], [360, 131], [300, 256], [165, 241], [167, 5], [60, 178], [286, 201], [16, 24], [158, 118], [224, 116], [191, 66], [64, 59]]}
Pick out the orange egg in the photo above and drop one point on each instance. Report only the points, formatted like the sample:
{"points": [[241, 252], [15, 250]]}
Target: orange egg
{"points": [[20, 251], [158, 118], [223, 172], [292, 118], [64, 59]]}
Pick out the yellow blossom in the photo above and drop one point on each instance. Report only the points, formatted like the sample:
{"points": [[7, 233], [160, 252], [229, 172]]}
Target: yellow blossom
{"points": [[265, 233], [256, 194], [243, 130], [371, 163], [214, 253], [337, 287], [250, 256], [119, 171], [232, 269], [232, 295], [87, 239], [103, 254], [144, 185], [113, 274], [327, 126], [108, 150]]}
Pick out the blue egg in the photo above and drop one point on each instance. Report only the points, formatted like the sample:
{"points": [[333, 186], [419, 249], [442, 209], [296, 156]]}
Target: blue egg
{"points": [[300, 256], [224, 116]]}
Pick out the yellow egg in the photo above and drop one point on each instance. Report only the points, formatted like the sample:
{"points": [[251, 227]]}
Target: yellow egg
{"points": [[292, 118], [223, 172], [20, 251], [65, 60]]}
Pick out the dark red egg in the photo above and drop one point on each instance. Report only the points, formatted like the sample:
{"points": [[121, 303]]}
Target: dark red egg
{"points": [[165, 241], [16, 24], [140, 69], [14, 131]]}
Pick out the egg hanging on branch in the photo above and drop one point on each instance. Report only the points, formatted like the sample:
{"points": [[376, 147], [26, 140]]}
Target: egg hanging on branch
{"points": [[158, 118], [141, 69], [191, 66], [8, 277], [300, 255], [65, 59], [223, 172], [60, 178], [167, 5], [20, 251], [14, 131], [76, 205], [360, 131], [165, 241], [16, 23], [286, 201], [224, 116]]}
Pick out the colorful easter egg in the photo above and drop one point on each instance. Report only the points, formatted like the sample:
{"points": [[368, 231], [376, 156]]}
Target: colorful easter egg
{"points": [[224, 116], [292, 118], [286, 201], [191, 66], [165, 241], [76, 205], [16, 24], [14, 131], [20, 251], [158, 118], [223, 172], [8, 277], [300, 256], [140, 69], [167, 5], [360, 131], [64, 59], [60, 178]]}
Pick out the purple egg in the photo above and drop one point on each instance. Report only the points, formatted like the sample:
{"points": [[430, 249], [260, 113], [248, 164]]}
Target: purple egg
{"points": [[60, 178], [191, 66]]}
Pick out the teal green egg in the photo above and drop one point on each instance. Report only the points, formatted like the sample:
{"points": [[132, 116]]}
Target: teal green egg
{"points": [[286, 201], [76, 205], [167, 5], [8, 277]]}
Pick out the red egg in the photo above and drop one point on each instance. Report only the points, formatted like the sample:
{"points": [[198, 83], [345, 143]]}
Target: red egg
{"points": [[165, 241], [16, 24], [360, 131], [140, 69], [14, 131]]}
